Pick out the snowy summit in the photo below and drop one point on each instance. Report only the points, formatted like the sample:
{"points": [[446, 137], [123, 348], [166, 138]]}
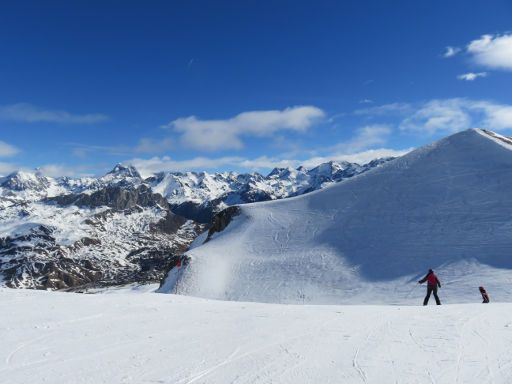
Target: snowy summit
{"points": [[444, 206]]}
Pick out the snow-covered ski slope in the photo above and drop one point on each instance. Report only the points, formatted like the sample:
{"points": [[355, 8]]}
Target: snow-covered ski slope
{"points": [[49, 337], [446, 206]]}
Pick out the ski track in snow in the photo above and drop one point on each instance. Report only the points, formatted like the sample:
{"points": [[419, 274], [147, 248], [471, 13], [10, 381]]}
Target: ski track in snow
{"points": [[154, 338], [21, 347]]}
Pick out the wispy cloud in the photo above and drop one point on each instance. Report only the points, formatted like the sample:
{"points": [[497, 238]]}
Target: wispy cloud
{"points": [[446, 115], [385, 109], [165, 163], [58, 170], [28, 113], [84, 150], [471, 76], [214, 135], [492, 51], [451, 51], [365, 137], [8, 150], [496, 116], [362, 157], [367, 144], [438, 115]]}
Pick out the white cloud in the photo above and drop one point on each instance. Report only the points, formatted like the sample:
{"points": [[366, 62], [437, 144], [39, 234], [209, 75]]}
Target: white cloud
{"points": [[470, 76], [266, 163], [51, 170], [362, 157], [366, 137], [451, 51], [213, 135], [28, 113], [496, 116], [155, 164], [492, 51], [451, 115], [356, 149], [372, 154], [58, 170], [7, 150], [438, 115]]}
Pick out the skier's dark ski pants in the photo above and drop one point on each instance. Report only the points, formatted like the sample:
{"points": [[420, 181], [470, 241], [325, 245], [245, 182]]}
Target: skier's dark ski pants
{"points": [[431, 289]]}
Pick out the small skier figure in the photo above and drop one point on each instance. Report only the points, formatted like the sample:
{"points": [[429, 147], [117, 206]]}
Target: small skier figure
{"points": [[485, 296], [432, 284]]}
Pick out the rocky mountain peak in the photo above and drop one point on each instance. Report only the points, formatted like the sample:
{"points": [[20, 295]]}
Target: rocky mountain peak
{"points": [[285, 172], [115, 197], [327, 169], [21, 180], [121, 170]]}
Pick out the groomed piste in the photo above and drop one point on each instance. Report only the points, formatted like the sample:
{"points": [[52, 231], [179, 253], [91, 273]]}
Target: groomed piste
{"points": [[367, 240], [148, 338]]}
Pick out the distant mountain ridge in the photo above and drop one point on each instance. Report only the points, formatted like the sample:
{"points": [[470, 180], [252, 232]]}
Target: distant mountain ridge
{"points": [[194, 195], [67, 233]]}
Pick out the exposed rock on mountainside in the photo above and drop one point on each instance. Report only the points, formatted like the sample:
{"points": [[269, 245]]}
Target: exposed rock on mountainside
{"points": [[222, 220], [115, 197], [114, 235], [95, 247]]}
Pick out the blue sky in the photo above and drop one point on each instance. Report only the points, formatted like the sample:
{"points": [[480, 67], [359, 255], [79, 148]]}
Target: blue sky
{"points": [[197, 85]]}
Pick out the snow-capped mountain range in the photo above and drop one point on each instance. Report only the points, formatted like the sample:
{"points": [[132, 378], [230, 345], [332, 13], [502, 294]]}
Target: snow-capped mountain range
{"points": [[195, 195], [66, 232]]}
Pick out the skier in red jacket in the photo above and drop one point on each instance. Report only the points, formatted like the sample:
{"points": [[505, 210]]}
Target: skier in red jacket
{"points": [[432, 284]]}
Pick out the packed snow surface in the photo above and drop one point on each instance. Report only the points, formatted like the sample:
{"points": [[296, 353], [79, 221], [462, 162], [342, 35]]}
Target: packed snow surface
{"points": [[50, 337], [445, 206]]}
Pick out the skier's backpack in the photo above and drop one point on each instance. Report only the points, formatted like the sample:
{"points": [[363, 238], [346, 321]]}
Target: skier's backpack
{"points": [[485, 296]]}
